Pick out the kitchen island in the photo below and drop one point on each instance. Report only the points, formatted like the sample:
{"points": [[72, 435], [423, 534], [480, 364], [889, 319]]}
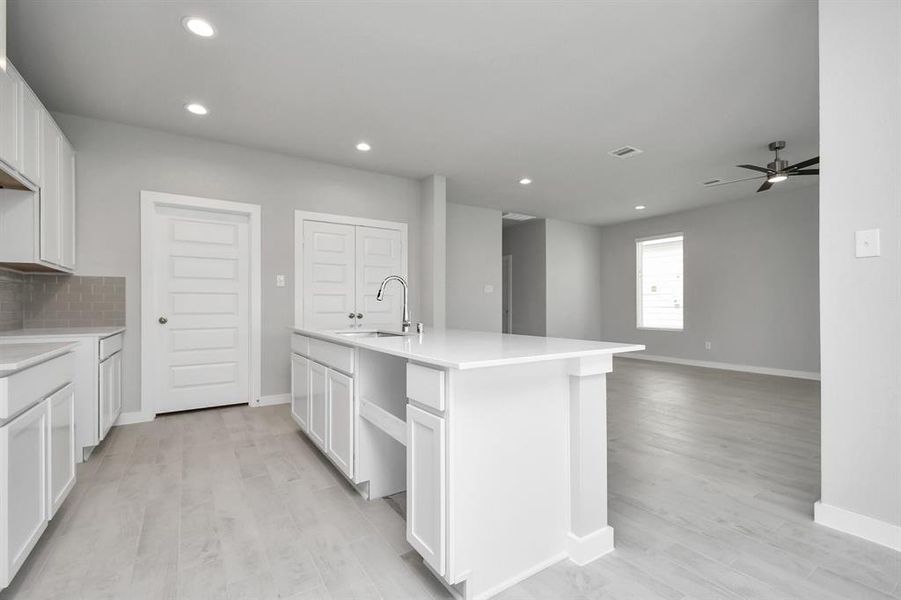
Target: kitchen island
{"points": [[499, 440]]}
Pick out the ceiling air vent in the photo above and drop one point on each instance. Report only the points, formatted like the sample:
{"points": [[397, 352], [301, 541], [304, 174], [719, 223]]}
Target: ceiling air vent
{"points": [[517, 217], [711, 181], [625, 152]]}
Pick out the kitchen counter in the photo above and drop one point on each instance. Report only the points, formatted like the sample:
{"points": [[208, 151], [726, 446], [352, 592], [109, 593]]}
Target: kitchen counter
{"points": [[63, 332], [15, 357], [462, 349]]}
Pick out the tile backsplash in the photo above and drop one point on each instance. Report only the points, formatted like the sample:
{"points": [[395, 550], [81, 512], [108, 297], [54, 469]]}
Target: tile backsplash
{"points": [[33, 301]]}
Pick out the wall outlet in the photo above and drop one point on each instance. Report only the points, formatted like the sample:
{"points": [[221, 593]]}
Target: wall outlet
{"points": [[707, 345], [866, 243], [279, 281]]}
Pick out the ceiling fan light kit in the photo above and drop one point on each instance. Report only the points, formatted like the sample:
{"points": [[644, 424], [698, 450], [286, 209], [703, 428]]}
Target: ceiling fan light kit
{"points": [[779, 170]]}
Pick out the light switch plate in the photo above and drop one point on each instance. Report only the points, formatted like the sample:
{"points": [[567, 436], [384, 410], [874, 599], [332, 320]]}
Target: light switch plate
{"points": [[279, 281], [866, 243], [489, 289]]}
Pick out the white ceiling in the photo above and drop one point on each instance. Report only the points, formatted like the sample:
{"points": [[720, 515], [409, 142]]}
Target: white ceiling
{"points": [[483, 92]]}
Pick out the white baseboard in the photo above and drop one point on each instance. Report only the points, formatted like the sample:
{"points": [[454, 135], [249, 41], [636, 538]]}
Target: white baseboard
{"points": [[707, 364], [583, 550], [129, 418], [868, 528], [273, 399]]}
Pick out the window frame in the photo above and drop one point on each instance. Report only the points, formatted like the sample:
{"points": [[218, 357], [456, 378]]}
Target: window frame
{"points": [[638, 279]]}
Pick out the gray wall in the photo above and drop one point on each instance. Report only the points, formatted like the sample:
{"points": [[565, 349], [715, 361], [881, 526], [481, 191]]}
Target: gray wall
{"points": [[473, 261], [526, 243], [750, 282], [574, 303], [860, 299], [115, 162]]}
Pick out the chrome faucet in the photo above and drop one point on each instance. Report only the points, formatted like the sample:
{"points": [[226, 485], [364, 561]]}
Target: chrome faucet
{"points": [[405, 324]]}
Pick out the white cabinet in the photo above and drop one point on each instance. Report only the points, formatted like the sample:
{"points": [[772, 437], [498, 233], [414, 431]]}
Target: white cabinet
{"points": [[50, 213], [61, 448], [66, 204], [10, 111], [110, 375], [23, 489], [340, 422], [426, 501], [300, 390], [30, 142], [318, 404]]}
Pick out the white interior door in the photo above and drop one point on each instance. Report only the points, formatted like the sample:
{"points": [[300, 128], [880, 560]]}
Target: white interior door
{"points": [[328, 275], [202, 282], [379, 254]]}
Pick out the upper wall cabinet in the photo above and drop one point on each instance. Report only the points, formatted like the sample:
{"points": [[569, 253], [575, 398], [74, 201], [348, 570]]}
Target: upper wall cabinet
{"points": [[37, 183]]}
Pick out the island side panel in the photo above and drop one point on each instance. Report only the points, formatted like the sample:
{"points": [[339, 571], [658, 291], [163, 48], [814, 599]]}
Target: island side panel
{"points": [[508, 477]]}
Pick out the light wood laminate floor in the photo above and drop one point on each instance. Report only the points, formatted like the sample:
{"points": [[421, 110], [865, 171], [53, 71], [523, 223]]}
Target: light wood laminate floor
{"points": [[712, 480]]}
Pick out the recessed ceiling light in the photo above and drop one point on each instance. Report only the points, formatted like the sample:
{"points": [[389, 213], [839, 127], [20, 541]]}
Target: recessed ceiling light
{"points": [[640, 207], [196, 109], [199, 27], [525, 181], [364, 147]]}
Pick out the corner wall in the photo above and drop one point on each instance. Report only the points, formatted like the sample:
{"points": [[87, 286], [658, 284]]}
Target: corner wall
{"points": [[860, 298], [473, 262]]}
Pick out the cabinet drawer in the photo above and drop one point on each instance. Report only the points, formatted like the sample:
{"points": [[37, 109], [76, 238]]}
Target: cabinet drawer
{"points": [[332, 355], [29, 386], [426, 386], [300, 344], [110, 345]]}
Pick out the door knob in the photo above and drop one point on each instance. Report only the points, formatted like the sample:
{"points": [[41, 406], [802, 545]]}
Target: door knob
{"points": [[351, 316], [359, 315], [163, 320]]}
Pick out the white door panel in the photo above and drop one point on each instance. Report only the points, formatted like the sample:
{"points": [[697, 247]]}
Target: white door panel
{"points": [[202, 270], [318, 424], [379, 253], [300, 390], [340, 440], [328, 275], [426, 505]]}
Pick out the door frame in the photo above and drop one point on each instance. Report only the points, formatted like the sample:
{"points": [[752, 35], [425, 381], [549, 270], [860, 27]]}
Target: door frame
{"points": [[302, 215], [150, 201], [507, 311]]}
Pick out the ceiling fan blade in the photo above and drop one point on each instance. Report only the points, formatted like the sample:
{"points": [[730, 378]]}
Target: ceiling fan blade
{"points": [[804, 163], [754, 168], [766, 185], [736, 180], [805, 172]]}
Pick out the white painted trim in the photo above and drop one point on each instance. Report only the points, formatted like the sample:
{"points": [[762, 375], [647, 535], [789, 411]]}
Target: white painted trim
{"points": [[149, 202], [723, 366], [129, 418], [868, 528], [583, 550], [301, 215], [273, 399]]}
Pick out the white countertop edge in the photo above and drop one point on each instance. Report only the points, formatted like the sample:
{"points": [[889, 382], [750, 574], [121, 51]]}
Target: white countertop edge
{"points": [[329, 336], [42, 352], [61, 332]]}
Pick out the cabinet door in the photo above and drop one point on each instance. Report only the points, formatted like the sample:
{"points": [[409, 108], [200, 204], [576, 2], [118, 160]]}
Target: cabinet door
{"points": [[426, 503], [9, 118], [300, 390], [379, 253], [32, 113], [23, 443], [50, 202], [106, 389], [340, 440], [318, 404], [62, 447], [66, 204], [117, 390]]}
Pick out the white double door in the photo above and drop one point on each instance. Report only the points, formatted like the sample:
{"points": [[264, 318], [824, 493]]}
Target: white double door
{"points": [[201, 315], [343, 267]]}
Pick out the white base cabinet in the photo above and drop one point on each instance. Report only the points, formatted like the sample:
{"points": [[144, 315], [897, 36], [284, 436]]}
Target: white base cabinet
{"points": [[426, 496], [318, 418], [110, 386], [61, 447], [340, 438], [300, 390]]}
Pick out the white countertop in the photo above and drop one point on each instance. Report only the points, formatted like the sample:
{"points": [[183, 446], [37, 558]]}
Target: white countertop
{"points": [[461, 349], [15, 357], [62, 332]]}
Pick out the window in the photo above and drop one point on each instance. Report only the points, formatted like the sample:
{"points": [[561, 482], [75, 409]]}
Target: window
{"points": [[659, 277]]}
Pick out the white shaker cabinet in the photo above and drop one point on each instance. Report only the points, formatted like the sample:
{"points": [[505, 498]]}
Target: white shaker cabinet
{"points": [[110, 374], [9, 118], [50, 203], [61, 447], [318, 404], [340, 439], [426, 503], [23, 487], [30, 142], [300, 390]]}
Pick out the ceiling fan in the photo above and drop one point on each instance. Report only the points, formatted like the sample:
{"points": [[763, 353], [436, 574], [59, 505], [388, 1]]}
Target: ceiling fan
{"points": [[778, 170]]}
